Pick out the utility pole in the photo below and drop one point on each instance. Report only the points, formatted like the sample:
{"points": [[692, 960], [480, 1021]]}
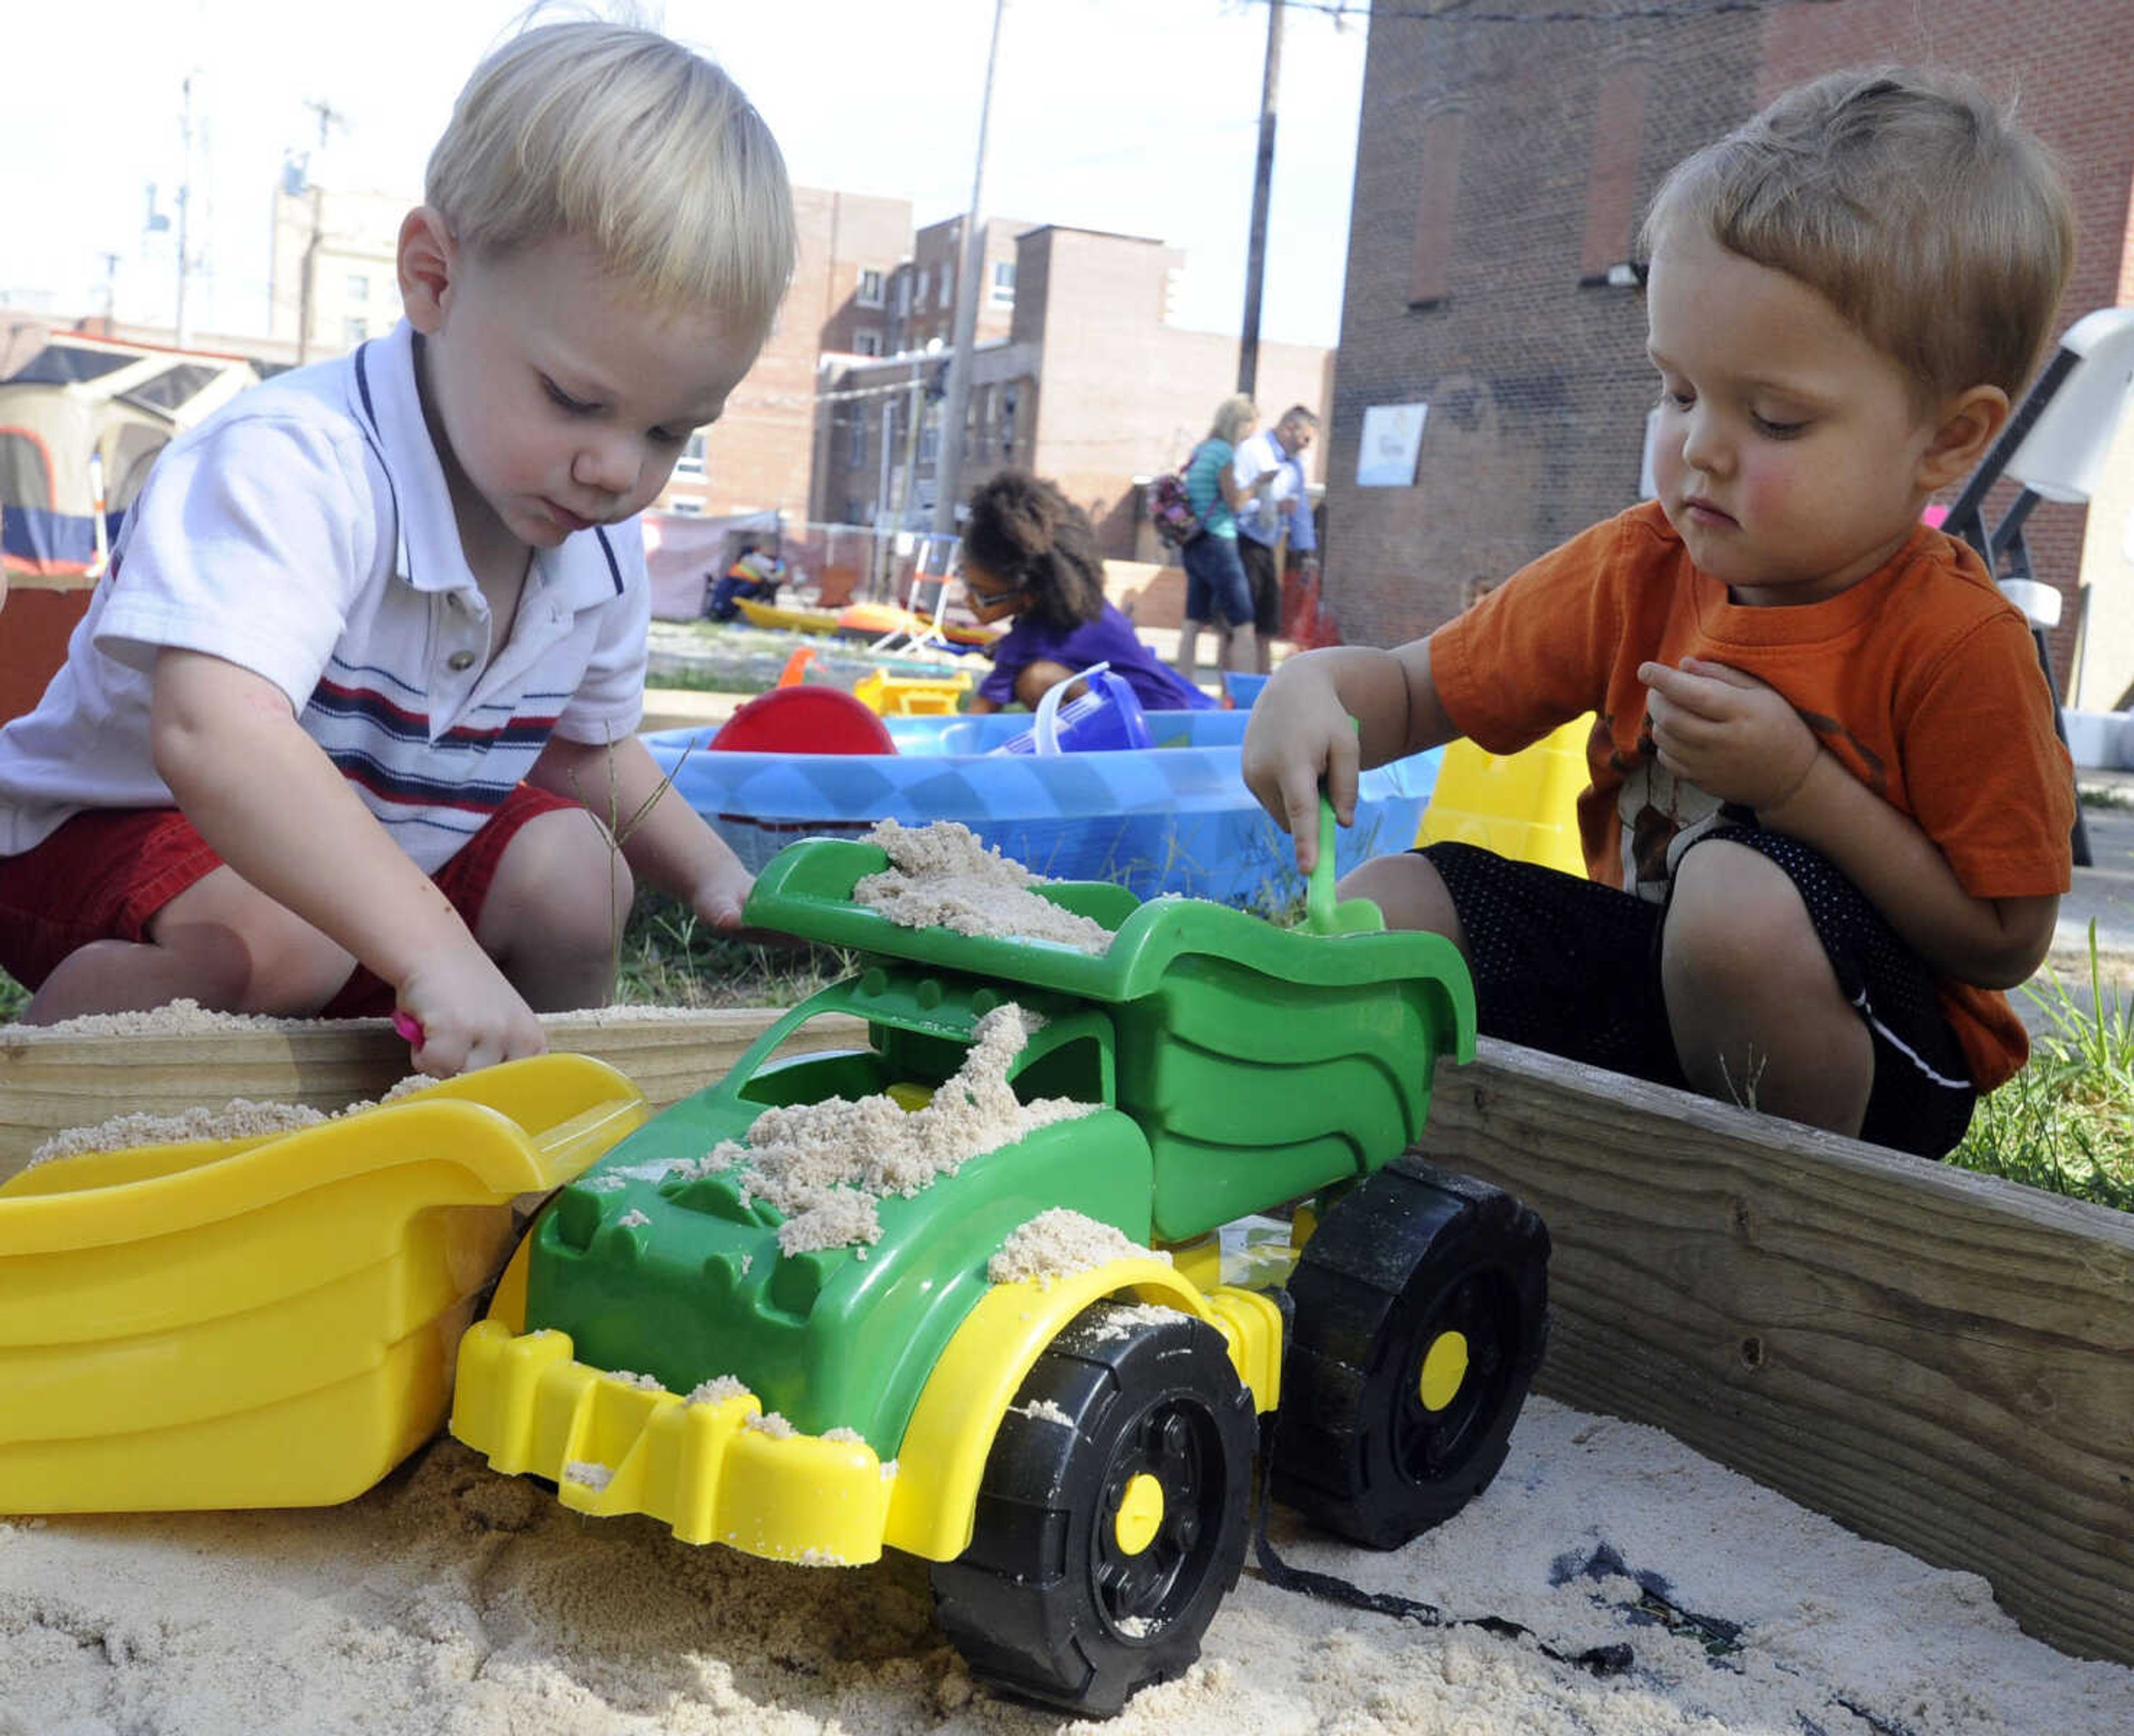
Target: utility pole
{"points": [[329, 117], [947, 466], [1249, 342]]}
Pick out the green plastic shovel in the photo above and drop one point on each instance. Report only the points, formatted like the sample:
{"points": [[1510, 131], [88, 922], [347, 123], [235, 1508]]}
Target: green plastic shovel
{"points": [[1321, 914]]}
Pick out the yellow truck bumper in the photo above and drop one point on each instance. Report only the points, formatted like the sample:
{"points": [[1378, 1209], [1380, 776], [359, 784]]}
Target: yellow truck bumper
{"points": [[714, 1473]]}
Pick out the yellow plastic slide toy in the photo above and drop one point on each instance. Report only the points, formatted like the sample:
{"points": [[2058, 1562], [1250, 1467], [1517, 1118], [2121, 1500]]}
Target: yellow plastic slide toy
{"points": [[271, 1321]]}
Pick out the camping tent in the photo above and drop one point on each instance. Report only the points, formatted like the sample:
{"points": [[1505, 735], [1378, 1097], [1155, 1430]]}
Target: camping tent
{"points": [[80, 424], [81, 405]]}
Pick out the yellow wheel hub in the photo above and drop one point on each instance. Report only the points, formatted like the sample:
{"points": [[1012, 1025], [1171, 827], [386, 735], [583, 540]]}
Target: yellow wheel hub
{"points": [[1140, 1514], [1444, 1367]]}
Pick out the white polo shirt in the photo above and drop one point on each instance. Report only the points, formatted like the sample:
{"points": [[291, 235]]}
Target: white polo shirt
{"points": [[306, 533]]}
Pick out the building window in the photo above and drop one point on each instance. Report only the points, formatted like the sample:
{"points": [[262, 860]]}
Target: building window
{"points": [[690, 463], [354, 332], [947, 285], [1619, 125], [904, 293], [929, 437], [1434, 209], [686, 506], [1003, 286], [867, 341], [925, 280], [870, 288], [856, 444], [358, 286]]}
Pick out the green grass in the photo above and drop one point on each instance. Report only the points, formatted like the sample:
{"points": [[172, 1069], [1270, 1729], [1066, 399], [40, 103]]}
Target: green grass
{"points": [[2065, 1123], [715, 681], [670, 959]]}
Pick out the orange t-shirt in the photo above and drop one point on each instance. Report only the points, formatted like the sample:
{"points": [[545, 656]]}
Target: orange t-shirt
{"points": [[1921, 679]]}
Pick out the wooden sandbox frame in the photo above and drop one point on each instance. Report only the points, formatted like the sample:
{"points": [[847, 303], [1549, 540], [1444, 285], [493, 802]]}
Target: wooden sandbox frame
{"points": [[1938, 1360]]}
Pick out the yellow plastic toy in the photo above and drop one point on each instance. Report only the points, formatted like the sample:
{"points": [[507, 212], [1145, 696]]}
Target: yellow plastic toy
{"points": [[270, 1321], [935, 694], [1524, 806]]}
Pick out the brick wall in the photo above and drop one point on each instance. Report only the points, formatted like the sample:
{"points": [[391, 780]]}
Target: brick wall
{"points": [[761, 453], [1533, 368], [1120, 392]]}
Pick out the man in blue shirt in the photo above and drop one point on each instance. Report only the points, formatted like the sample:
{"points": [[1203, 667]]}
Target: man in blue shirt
{"points": [[1267, 469]]}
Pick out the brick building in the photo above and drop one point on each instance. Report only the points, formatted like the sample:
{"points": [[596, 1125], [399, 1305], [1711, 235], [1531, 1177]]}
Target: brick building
{"points": [[760, 454], [1501, 171], [1088, 384], [333, 268]]}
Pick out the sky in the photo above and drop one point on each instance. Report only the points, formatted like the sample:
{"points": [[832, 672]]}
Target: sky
{"points": [[1139, 117]]}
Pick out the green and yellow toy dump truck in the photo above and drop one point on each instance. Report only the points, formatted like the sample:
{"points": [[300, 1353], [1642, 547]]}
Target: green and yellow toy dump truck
{"points": [[994, 1308]]}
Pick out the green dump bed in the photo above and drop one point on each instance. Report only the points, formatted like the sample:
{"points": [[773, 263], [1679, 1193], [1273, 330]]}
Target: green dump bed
{"points": [[1261, 1063]]}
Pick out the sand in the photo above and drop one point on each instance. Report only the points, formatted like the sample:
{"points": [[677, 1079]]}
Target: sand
{"points": [[452, 1602]]}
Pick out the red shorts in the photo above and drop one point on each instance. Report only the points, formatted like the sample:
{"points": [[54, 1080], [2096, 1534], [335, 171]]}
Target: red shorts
{"points": [[106, 873]]}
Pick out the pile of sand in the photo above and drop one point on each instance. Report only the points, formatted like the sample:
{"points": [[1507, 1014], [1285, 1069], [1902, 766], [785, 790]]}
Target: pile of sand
{"points": [[825, 1166], [239, 1118], [452, 1600], [939, 876]]}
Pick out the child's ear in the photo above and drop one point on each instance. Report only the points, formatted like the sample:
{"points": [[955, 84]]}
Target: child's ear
{"points": [[429, 261], [1969, 421]]}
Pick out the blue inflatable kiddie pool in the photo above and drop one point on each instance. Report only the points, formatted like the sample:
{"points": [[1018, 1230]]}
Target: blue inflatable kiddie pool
{"points": [[1172, 817]]}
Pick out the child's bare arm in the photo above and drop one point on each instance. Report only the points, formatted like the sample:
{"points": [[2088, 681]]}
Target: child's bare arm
{"points": [[1740, 740], [667, 843], [277, 811], [1300, 730]]}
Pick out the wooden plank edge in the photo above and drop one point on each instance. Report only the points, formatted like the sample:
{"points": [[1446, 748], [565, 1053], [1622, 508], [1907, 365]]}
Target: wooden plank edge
{"points": [[1939, 1360], [52, 1080]]}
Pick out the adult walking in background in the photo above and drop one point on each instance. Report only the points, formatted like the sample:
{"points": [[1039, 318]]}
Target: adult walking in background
{"points": [[1216, 589], [1276, 520]]}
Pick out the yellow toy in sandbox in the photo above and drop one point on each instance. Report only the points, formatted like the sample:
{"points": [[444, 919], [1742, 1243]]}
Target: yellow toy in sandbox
{"points": [[270, 1320], [992, 1290], [1524, 806]]}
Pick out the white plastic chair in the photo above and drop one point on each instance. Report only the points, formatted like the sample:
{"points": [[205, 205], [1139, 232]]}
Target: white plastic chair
{"points": [[933, 567], [2054, 446]]}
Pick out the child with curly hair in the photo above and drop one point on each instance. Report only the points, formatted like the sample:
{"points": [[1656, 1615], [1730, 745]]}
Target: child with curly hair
{"points": [[1030, 552]]}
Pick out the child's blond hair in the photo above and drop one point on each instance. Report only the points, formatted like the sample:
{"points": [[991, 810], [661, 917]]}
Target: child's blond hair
{"points": [[1911, 201], [632, 143]]}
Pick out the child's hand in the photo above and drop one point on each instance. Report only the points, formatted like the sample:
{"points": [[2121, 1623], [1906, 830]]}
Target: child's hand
{"points": [[721, 892], [1299, 734], [470, 1016], [1728, 733]]}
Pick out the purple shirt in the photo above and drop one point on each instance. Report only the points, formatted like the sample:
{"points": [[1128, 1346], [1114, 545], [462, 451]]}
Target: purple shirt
{"points": [[1110, 638]]}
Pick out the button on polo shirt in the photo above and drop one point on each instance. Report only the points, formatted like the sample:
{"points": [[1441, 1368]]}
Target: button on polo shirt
{"points": [[305, 533]]}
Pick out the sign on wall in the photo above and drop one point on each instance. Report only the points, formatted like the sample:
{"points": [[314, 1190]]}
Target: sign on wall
{"points": [[1391, 444]]}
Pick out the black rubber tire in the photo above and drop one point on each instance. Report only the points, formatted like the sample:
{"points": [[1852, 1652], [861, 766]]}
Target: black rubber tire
{"points": [[1046, 1604], [1415, 1251]]}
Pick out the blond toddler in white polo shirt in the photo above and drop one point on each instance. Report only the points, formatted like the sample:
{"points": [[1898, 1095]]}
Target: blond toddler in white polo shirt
{"points": [[373, 636]]}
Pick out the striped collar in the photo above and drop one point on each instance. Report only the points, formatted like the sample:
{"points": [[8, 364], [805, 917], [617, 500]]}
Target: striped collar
{"points": [[580, 572]]}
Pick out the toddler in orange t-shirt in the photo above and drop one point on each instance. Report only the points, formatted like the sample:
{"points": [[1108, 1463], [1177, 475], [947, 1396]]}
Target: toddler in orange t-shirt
{"points": [[1829, 817]]}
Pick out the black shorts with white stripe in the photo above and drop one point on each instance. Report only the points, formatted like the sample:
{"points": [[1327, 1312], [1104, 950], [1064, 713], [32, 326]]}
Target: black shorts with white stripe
{"points": [[1570, 966]]}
